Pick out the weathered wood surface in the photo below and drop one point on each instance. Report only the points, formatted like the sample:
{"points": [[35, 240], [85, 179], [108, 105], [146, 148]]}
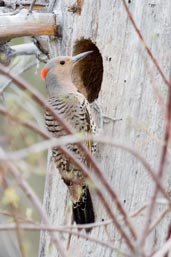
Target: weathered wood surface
{"points": [[27, 24], [129, 92], [26, 3]]}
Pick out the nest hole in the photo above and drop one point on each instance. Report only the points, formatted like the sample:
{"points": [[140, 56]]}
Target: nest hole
{"points": [[88, 73]]}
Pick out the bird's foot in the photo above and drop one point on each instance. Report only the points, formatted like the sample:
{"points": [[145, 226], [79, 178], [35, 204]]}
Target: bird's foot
{"points": [[103, 119]]}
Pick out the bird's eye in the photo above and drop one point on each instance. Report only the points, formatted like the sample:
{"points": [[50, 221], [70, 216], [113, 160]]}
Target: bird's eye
{"points": [[62, 62]]}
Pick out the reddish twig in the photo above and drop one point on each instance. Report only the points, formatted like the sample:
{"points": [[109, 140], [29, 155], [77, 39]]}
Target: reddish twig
{"points": [[154, 60], [167, 238], [161, 170]]}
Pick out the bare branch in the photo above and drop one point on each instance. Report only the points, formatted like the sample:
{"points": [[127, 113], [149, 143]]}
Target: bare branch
{"points": [[24, 49], [25, 24]]}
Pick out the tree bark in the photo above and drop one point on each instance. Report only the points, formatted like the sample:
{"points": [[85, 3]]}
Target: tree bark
{"points": [[130, 91]]}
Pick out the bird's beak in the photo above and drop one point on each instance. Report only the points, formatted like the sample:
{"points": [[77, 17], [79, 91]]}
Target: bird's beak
{"points": [[79, 57]]}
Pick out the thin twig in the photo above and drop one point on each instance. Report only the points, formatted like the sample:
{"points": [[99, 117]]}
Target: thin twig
{"points": [[28, 227], [19, 234], [27, 124], [31, 6], [154, 60], [167, 238], [12, 13], [20, 218], [37, 204], [26, 68], [14, 215], [160, 171], [96, 224], [159, 219], [163, 250]]}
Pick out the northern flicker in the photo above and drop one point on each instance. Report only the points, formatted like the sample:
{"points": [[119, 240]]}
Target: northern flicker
{"points": [[73, 106]]}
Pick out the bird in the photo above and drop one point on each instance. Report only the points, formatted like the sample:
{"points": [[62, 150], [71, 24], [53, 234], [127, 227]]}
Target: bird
{"points": [[65, 98]]}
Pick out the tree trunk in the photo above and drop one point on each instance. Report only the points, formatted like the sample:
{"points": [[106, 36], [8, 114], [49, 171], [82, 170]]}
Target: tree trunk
{"points": [[129, 92]]}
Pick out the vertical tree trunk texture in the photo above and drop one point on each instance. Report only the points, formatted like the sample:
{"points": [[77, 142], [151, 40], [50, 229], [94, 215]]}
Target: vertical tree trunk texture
{"points": [[130, 92]]}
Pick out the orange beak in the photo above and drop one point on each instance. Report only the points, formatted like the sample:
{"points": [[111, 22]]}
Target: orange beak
{"points": [[44, 72]]}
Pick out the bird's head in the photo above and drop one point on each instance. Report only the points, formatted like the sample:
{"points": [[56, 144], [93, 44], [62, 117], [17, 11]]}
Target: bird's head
{"points": [[58, 70]]}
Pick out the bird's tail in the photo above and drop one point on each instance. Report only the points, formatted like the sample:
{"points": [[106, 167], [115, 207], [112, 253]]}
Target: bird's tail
{"points": [[83, 209]]}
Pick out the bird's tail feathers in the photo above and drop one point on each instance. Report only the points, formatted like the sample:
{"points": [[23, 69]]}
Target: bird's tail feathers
{"points": [[83, 209]]}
